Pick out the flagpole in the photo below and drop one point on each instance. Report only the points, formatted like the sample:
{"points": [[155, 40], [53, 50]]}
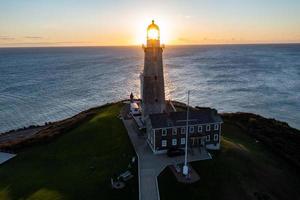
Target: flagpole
{"points": [[185, 167]]}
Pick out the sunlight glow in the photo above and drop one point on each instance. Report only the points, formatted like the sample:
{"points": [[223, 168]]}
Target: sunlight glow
{"points": [[165, 26], [101, 23], [153, 34]]}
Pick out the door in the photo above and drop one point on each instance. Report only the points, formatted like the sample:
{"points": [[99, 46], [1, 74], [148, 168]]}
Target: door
{"points": [[195, 141], [202, 141]]}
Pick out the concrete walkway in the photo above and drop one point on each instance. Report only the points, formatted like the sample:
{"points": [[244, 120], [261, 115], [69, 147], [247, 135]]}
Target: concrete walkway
{"points": [[5, 157], [150, 165]]}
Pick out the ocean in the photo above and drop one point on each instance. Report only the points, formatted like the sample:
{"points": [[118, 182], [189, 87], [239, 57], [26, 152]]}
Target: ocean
{"points": [[39, 85]]}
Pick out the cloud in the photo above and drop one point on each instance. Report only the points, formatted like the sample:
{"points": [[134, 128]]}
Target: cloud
{"points": [[5, 37], [208, 40], [33, 37], [185, 40], [59, 43]]}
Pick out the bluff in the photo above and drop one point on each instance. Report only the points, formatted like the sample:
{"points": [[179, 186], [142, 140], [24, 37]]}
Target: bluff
{"points": [[278, 136]]}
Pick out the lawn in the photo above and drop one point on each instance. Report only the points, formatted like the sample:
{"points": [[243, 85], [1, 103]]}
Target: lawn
{"points": [[76, 165], [243, 169]]}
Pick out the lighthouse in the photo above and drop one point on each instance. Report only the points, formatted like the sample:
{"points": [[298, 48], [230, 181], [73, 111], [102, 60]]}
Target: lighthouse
{"points": [[152, 77]]}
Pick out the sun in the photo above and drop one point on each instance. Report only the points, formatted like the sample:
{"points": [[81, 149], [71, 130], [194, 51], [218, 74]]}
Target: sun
{"points": [[164, 29], [153, 34]]}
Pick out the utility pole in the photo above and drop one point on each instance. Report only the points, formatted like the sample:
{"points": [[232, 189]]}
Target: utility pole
{"points": [[185, 167]]}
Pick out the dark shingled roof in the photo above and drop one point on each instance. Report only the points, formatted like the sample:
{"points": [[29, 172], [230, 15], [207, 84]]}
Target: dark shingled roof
{"points": [[171, 119]]}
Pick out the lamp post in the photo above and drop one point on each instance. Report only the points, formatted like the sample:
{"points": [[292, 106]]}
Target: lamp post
{"points": [[185, 169]]}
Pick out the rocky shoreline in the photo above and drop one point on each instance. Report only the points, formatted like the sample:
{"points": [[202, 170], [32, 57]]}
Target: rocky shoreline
{"points": [[278, 136]]}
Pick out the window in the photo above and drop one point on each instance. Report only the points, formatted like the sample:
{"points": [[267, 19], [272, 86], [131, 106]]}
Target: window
{"points": [[174, 131], [164, 132], [164, 143], [182, 141], [207, 138], [174, 142], [208, 127], [216, 127], [191, 129], [182, 130], [200, 129], [216, 137]]}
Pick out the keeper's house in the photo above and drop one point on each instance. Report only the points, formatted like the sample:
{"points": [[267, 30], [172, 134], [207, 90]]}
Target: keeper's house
{"points": [[167, 130]]}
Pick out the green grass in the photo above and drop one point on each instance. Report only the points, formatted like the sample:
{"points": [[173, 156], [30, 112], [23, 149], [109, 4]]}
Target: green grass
{"points": [[77, 165], [243, 169]]}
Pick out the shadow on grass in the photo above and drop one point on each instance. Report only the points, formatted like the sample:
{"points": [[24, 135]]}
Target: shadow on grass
{"points": [[76, 165], [242, 169]]}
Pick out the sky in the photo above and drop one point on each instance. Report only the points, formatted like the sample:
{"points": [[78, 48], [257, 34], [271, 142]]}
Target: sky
{"points": [[120, 22]]}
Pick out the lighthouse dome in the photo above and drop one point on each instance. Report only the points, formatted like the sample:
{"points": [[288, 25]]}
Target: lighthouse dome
{"points": [[153, 31], [153, 26]]}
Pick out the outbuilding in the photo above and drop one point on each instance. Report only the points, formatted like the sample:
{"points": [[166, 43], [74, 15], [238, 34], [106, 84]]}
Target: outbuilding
{"points": [[168, 130]]}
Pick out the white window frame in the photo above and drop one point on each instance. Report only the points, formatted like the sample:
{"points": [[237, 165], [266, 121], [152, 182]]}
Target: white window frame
{"points": [[191, 129], [182, 140], [207, 127], [200, 129], [151, 139], [182, 130], [164, 143], [164, 132], [174, 131], [174, 142], [216, 127], [216, 137], [207, 138]]}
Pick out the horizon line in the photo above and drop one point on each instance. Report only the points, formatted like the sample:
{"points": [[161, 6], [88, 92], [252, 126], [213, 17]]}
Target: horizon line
{"points": [[137, 45]]}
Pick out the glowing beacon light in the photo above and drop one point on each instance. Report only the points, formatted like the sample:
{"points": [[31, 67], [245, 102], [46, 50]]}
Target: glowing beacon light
{"points": [[153, 35]]}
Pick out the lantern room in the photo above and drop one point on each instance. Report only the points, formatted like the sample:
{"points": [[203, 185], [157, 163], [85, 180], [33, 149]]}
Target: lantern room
{"points": [[153, 35]]}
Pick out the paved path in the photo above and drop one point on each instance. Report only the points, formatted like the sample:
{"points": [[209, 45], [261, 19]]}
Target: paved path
{"points": [[5, 157], [151, 165]]}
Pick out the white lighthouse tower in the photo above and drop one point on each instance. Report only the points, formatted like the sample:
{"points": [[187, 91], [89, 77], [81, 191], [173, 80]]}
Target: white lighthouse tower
{"points": [[152, 78]]}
